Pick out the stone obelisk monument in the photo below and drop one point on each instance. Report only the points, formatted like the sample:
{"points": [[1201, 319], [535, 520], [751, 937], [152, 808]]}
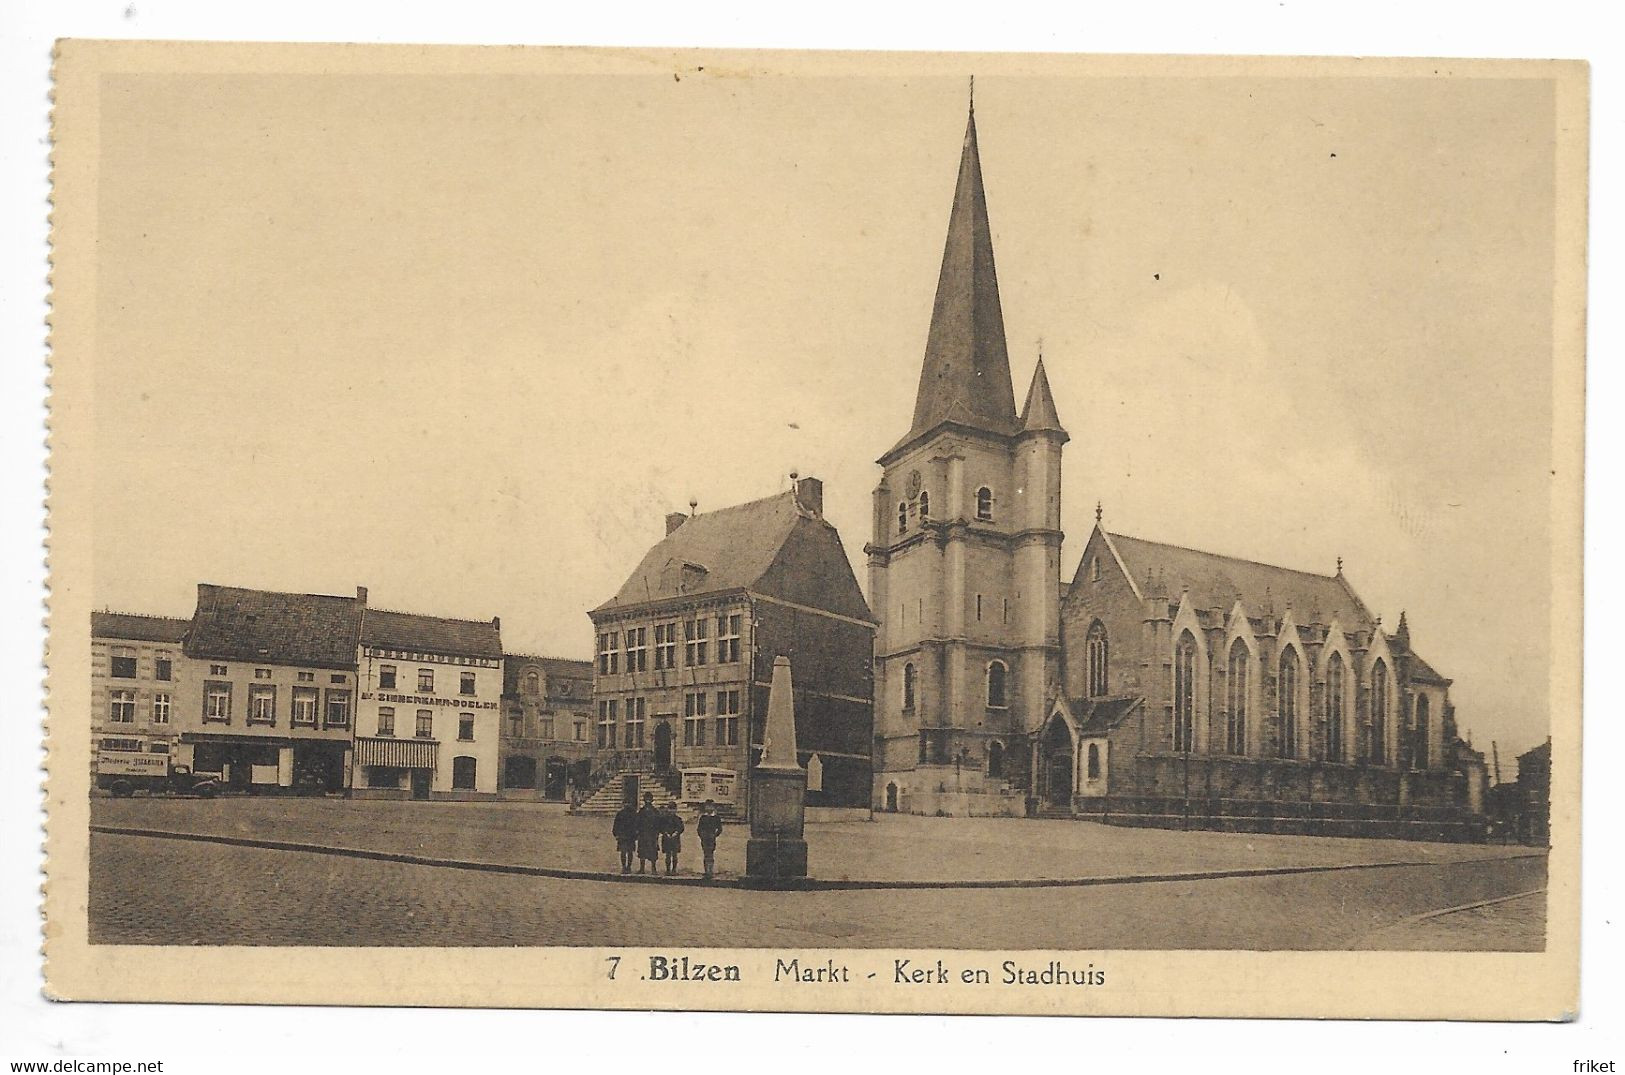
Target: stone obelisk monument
{"points": [[777, 849]]}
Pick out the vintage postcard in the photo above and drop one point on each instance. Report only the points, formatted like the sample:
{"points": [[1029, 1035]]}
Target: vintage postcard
{"points": [[816, 532]]}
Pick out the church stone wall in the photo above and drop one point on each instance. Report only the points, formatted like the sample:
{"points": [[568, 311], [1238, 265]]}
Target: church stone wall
{"points": [[1112, 601]]}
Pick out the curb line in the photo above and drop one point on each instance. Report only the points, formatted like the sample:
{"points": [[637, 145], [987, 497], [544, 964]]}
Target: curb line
{"points": [[806, 884]]}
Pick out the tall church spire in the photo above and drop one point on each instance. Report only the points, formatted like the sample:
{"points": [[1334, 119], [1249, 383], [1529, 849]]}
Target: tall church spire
{"points": [[966, 375]]}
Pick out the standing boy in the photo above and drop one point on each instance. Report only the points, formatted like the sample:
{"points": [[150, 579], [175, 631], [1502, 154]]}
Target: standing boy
{"points": [[710, 828]]}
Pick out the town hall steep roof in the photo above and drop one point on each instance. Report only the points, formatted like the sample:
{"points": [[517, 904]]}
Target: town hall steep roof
{"points": [[772, 546], [1216, 581]]}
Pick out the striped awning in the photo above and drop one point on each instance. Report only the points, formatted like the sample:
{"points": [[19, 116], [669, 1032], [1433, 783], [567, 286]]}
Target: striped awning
{"points": [[396, 753]]}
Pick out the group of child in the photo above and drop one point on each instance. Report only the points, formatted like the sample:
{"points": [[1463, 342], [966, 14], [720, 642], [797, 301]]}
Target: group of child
{"points": [[654, 831]]}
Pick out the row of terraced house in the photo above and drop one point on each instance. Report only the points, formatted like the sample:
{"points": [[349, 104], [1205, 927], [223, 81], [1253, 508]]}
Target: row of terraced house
{"points": [[315, 693]]}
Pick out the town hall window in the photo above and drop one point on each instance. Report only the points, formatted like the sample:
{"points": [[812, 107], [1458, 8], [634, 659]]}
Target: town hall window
{"points": [[665, 645], [728, 639], [727, 718], [1334, 707], [606, 724], [609, 655], [1379, 713], [1185, 693], [696, 641], [694, 719], [996, 675], [1287, 706], [637, 649], [636, 710], [908, 685], [1098, 655], [1235, 739], [984, 504]]}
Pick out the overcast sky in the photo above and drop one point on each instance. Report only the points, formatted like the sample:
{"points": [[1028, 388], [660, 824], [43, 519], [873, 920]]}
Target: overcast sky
{"points": [[466, 339]]}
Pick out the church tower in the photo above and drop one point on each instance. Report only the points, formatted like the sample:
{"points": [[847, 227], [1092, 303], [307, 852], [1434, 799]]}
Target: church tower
{"points": [[964, 566]]}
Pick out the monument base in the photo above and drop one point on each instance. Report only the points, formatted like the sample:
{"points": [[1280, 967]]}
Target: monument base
{"points": [[769, 859], [776, 852]]}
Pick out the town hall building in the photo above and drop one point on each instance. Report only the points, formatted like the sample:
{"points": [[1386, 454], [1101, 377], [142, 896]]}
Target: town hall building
{"points": [[1160, 685]]}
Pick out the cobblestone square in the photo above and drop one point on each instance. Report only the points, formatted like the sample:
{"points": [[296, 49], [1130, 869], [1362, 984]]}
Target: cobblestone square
{"points": [[155, 890]]}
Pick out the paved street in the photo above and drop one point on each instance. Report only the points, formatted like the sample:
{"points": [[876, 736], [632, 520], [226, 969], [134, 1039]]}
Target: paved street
{"points": [[893, 848], [146, 890]]}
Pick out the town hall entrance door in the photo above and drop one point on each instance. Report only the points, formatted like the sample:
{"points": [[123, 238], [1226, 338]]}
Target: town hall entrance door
{"points": [[662, 747], [1055, 761]]}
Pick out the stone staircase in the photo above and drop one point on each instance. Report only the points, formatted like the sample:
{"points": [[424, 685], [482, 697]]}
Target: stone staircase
{"points": [[611, 795]]}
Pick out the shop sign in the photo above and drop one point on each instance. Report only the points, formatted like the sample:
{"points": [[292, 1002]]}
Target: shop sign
{"points": [[129, 763]]}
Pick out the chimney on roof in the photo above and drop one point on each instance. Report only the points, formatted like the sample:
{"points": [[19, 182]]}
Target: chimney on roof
{"points": [[674, 520], [361, 594], [496, 623], [809, 494]]}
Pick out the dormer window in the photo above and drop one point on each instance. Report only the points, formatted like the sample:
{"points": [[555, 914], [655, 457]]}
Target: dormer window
{"points": [[984, 504]]}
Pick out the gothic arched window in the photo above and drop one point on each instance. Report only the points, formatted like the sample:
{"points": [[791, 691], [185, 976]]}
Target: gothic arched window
{"points": [[996, 675], [1287, 702], [908, 686], [995, 759], [1379, 713], [925, 505], [1098, 655], [902, 517], [1184, 692], [1334, 707], [1094, 569], [1235, 741], [533, 683], [1419, 755], [984, 504]]}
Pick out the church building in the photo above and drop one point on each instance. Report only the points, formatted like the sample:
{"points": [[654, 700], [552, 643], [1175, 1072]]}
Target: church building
{"points": [[1161, 685]]}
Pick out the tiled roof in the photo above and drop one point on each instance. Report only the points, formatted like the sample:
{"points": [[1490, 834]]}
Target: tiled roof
{"points": [[773, 546], [560, 667], [1216, 581], [232, 623], [430, 634], [1098, 715], [1421, 670], [134, 627]]}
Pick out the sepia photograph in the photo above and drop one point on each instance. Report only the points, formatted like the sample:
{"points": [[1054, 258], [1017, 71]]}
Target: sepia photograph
{"points": [[868, 522]]}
